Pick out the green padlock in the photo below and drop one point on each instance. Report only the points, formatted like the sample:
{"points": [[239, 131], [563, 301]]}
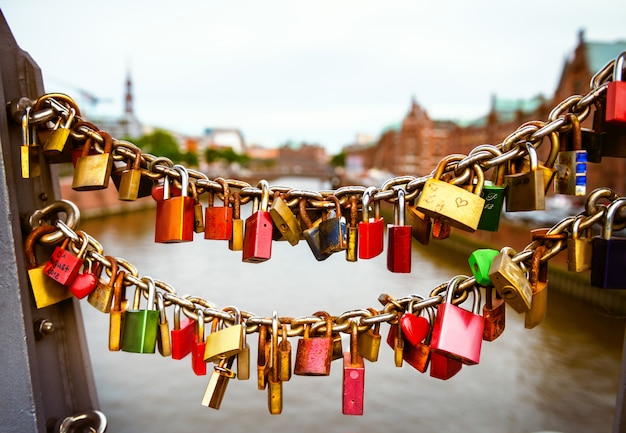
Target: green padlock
{"points": [[480, 262], [141, 327], [493, 194]]}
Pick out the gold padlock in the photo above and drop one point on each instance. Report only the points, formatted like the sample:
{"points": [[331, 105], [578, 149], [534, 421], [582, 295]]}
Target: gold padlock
{"points": [[285, 220], [102, 295], [225, 342], [131, 179], [451, 203], [94, 171], [510, 282]]}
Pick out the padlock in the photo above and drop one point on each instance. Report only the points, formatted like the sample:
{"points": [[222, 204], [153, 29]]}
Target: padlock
{"points": [[198, 210], [616, 93], [417, 352], [352, 236], [227, 341], [493, 193], [93, 172], [613, 137], [59, 136], [257, 240], [415, 328], [510, 281], [63, 266], [371, 230], [421, 225], [399, 239], [29, 150], [311, 234], [441, 229], [274, 384], [130, 179], [526, 190], [117, 315], [175, 215], [395, 340], [480, 263], [263, 357], [314, 354], [285, 220], [218, 223], [353, 385], [458, 333], [222, 373], [579, 248], [369, 341], [592, 141], [333, 232], [443, 367], [141, 327], [243, 357], [457, 206], [571, 163], [284, 356], [608, 261], [102, 295], [494, 312], [337, 346], [182, 335], [538, 277], [164, 343], [198, 364], [45, 290], [86, 282], [235, 243]]}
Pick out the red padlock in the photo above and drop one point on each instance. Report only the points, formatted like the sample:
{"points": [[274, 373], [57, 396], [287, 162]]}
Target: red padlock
{"points": [[417, 354], [616, 93], [399, 239], [197, 349], [371, 230], [353, 387], [458, 333], [314, 354], [443, 367], [63, 266], [218, 220], [175, 219], [86, 282], [257, 240], [182, 335]]}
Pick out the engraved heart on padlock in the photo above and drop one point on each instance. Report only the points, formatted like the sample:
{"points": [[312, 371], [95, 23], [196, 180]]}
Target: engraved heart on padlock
{"points": [[83, 285], [414, 328], [460, 202]]}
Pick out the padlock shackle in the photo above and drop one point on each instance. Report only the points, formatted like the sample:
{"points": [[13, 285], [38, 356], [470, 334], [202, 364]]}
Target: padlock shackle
{"points": [[200, 325], [367, 195], [151, 293], [607, 228], [618, 68], [184, 179], [398, 214], [265, 194], [452, 285], [31, 239]]}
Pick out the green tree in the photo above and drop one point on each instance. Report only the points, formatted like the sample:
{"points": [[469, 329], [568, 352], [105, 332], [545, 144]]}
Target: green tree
{"points": [[338, 160], [227, 155], [162, 143]]}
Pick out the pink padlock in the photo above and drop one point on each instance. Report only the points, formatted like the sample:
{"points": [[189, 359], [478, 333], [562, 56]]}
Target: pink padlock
{"points": [[458, 333], [616, 93]]}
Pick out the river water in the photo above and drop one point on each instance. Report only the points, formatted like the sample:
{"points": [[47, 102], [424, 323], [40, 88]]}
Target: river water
{"points": [[561, 376]]}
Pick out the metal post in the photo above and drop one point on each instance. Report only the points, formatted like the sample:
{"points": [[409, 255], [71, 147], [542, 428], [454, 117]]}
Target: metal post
{"points": [[619, 422], [42, 381]]}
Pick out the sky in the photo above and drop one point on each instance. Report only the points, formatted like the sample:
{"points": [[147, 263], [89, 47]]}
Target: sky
{"points": [[318, 72]]}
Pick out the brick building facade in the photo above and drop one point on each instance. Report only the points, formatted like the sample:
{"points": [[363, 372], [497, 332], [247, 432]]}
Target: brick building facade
{"points": [[416, 145]]}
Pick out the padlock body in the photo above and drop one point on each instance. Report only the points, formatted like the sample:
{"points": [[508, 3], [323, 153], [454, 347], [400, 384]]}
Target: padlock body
{"points": [[538, 306], [608, 263], [571, 173], [333, 235], [510, 282], [275, 396], [421, 225], [525, 191], [579, 254], [353, 388], [284, 361], [56, 140], [216, 388], [45, 290], [226, 342], [312, 237], [616, 102], [130, 182], [313, 356], [371, 237], [257, 240], [198, 364], [63, 266], [285, 221], [369, 345], [459, 207], [495, 319], [352, 251], [235, 243], [458, 333], [417, 356], [140, 331], [183, 339], [29, 157], [494, 200], [101, 297], [92, 172], [174, 220], [145, 183], [243, 363], [443, 367], [399, 249], [218, 223], [117, 321]]}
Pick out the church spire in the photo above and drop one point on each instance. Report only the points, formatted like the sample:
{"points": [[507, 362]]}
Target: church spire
{"points": [[128, 100]]}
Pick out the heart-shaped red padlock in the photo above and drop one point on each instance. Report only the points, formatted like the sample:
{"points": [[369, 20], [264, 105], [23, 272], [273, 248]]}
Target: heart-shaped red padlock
{"points": [[414, 328], [84, 284]]}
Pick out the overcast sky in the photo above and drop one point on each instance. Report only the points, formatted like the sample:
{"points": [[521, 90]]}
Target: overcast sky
{"points": [[317, 71]]}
